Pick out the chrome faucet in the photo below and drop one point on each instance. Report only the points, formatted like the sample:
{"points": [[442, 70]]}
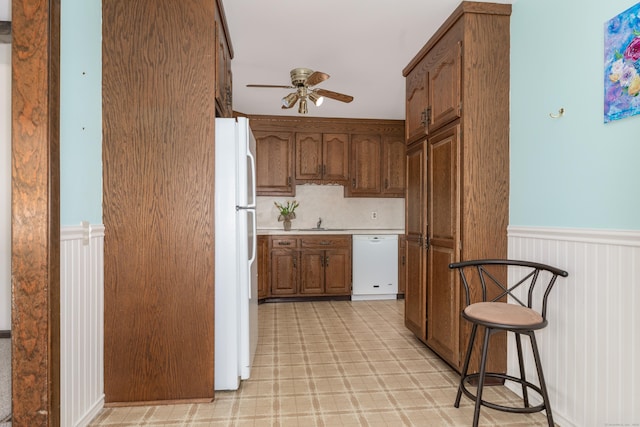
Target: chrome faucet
{"points": [[319, 223]]}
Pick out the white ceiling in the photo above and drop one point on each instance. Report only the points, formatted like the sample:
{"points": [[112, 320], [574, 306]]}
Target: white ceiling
{"points": [[362, 44]]}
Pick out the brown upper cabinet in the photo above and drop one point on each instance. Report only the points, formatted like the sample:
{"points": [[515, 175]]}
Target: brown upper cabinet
{"points": [[433, 92], [393, 165], [274, 163], [322, 157], [224, 54], [444, 88], [416, 104], [365, 156], [365, 165], [377, 165]]}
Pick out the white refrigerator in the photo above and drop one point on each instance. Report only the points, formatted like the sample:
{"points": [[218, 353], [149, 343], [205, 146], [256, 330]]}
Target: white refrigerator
{"points": [[236, 288]]}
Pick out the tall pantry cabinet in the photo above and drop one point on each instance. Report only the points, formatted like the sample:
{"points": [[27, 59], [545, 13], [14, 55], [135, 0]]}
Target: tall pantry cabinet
{"points": [[159, 105], [457, 133]]}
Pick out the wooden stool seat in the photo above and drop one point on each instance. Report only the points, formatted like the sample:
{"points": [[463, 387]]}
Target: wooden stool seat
{"points": [[506, 316]]}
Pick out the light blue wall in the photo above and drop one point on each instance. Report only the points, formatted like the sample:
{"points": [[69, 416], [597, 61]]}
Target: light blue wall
{"points": [[81, 112], [575, 171]]}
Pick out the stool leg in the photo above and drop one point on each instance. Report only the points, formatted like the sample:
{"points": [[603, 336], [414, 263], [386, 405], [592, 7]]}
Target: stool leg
{"points": [[525, 394], [465, 367], [483, 369], [543, 385]]}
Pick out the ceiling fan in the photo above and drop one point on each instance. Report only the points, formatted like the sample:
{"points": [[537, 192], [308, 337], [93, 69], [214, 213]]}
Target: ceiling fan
{"points": [[302, 80]]}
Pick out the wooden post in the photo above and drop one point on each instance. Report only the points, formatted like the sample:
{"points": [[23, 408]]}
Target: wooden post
{"points": [[35, 213]]}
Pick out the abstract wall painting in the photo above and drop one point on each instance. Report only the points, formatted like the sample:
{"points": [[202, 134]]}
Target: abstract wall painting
{"points": [[622, 65]]}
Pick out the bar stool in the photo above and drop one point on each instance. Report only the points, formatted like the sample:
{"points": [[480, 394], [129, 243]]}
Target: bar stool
{"points": [[496, 313]]}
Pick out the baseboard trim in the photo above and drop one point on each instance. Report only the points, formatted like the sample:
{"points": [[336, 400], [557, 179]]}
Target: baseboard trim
{"points": [[92, 412], [5, 334], [306, 299], [158, 402]]}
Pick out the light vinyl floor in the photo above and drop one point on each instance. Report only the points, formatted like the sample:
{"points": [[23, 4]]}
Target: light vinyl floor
{"points": [[334, 363]]}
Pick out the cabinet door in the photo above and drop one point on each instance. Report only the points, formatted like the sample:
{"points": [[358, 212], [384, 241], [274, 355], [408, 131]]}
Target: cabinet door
{"points": [[393, 165], [308, 156], [335, 155], [443, 296], [311, 272], [444, 88], [223, 73], [415, 253], [263, 267], [417, 101], [337, 271], [365, 164], [284, 272], [274, 163]]}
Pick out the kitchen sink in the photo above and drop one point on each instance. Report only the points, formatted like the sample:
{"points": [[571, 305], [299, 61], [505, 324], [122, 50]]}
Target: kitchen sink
{"points": [[321, 229]]}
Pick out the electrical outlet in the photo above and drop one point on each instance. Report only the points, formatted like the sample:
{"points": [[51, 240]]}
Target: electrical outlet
{"points": [[374, 215]]}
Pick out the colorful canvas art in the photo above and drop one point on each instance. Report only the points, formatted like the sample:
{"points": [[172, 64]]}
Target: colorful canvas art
{"points": [[622, 65]]}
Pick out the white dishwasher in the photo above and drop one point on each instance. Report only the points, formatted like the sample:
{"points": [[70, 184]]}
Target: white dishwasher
{"points": [[375, 267]]}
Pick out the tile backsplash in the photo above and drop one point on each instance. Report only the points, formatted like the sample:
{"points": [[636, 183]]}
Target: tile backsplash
{"points": [[328, 202]]}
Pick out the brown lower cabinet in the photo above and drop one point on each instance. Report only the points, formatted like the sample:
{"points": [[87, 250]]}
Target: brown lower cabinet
{"points": [[307, 266], [263, 267]]}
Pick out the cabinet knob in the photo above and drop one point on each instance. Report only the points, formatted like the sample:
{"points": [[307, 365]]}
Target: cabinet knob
{"points": [[353, 183]]}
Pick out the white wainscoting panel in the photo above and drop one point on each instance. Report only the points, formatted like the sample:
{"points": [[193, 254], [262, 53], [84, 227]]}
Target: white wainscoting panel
{"points": [[81, 323], [591, 348]]}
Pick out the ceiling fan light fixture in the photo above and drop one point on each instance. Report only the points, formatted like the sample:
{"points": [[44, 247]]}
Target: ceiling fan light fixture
{"points": [[317, 100], [303, 81], [289, 100], [302, 108]]}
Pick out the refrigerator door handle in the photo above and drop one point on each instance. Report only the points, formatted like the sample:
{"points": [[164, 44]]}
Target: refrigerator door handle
{"points": [[252, 163], [254, 246]]}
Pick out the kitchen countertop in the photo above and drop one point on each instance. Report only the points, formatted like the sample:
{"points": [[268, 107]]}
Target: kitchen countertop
{"points": [[308, 231]]}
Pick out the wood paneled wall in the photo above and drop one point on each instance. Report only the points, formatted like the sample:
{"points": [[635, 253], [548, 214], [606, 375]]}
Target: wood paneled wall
{"points": [[35, 213], [158, 173]]}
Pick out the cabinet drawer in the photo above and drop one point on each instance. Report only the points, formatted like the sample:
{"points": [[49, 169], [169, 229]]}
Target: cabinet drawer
{"points": [[284, 242], [326, 242]]}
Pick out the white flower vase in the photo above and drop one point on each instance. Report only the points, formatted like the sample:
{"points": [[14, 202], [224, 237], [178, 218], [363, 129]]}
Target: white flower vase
{"points": [[286, 219]]}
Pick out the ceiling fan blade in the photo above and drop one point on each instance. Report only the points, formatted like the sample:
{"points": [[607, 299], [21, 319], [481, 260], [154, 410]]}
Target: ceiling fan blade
{"points": [[316, 77], [276, 86], [334, 95]]}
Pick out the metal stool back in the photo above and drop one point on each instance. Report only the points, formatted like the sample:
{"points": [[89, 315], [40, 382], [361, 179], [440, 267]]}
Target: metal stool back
{"points": [[498, 309]]}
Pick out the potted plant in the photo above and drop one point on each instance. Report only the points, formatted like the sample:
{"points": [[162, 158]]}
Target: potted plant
{"points": [[287, 213]]}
